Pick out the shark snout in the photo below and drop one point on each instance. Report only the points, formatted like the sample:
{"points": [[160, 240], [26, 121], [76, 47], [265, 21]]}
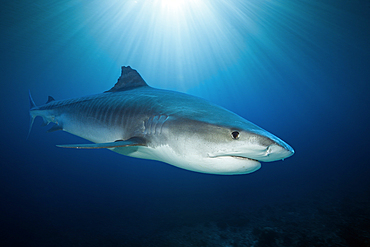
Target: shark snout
{"points": [[265, 151], [265, 147], [275, 152]]}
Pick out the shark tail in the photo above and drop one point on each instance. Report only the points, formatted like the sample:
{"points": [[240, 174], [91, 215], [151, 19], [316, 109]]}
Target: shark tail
{"points": [[32, 117]]}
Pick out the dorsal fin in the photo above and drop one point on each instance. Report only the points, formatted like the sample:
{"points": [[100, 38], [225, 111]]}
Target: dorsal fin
{"points": [[50, 99], [129, 79]]}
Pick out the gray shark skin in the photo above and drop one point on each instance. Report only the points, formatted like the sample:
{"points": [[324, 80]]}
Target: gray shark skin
{"points": [[137, 120]]}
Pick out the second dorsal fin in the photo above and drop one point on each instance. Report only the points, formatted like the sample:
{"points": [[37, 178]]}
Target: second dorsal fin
{"points": [[129, 79], [50, 99]]}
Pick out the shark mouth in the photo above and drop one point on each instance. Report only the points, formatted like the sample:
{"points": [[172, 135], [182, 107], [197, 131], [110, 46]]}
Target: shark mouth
{"points": [[240, 157], [233, 156]]}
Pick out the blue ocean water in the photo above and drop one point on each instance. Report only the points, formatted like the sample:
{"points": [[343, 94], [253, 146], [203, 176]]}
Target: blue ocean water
{"points": [[299, 69]]}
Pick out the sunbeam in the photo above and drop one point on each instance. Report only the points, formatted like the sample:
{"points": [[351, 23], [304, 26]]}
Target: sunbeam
{"points": [[177, 36]]}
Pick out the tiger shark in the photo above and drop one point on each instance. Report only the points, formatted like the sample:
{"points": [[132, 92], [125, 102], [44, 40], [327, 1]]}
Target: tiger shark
{"points": [[137, 120]]}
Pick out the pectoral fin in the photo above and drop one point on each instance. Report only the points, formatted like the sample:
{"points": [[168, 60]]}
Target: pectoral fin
{"points": [[134, 141]]}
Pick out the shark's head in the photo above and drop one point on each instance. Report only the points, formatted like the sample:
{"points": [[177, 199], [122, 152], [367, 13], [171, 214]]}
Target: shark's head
{"points": [[236, 148]]}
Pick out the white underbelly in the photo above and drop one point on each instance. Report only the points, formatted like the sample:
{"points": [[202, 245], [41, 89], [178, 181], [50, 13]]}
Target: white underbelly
{"points": [[192, 162]]}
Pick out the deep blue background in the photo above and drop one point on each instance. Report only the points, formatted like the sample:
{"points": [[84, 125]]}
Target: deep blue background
{"points": [[299, 69]]}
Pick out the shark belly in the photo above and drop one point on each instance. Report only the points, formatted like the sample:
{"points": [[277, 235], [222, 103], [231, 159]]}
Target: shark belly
{"points": [[166, 154]]}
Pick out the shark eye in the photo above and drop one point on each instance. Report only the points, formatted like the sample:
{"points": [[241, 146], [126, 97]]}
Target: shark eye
{"points": [[235, 135]]}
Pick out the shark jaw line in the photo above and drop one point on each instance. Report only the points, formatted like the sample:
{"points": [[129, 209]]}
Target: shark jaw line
{"points": [[242, 158], [233, 156]]}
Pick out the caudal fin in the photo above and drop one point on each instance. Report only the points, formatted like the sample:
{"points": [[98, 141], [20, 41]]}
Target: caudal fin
{"points": [[32, 118], [32, 103]]}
